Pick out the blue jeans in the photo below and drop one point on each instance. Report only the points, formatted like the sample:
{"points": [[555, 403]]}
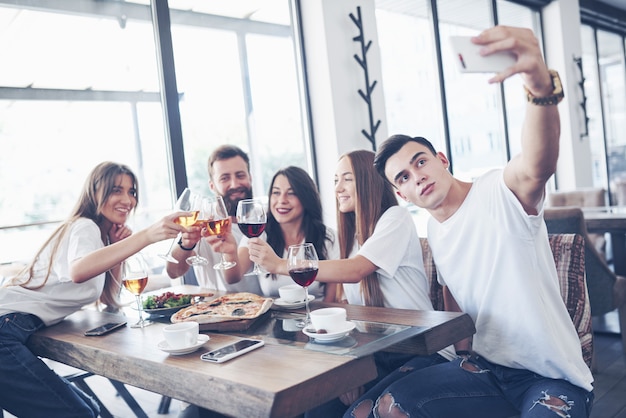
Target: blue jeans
{"points": [[389, 366], [29, 387], [478, 388]]}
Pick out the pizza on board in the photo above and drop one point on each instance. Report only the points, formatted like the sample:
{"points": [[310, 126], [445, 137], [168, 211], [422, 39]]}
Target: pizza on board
{"points": [[230, 307]]}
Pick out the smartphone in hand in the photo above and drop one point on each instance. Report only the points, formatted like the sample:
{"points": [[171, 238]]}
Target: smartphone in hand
{"points": [[104, 329], [469, 60]]}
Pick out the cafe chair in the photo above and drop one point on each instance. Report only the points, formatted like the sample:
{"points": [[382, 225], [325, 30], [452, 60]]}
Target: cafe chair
{"points": [[569, 256], [78, 379], [583, 197], [607, 291]]}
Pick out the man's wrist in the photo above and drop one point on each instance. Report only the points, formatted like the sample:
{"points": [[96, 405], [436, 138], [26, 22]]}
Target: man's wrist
{"points": [[182, 247]]}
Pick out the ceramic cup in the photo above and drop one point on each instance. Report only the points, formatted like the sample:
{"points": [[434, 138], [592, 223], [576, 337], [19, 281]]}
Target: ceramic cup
{"points": [[181, 335], [292, 293], [329, 319]]}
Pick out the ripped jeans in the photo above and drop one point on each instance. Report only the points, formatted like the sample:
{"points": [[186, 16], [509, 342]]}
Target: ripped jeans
{"points": [[477, 388]]}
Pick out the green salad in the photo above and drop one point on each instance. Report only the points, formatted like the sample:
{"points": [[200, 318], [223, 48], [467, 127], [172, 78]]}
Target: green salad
{"points": [[166, 300]]}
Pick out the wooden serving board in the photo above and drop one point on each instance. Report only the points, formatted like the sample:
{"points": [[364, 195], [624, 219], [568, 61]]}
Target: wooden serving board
{"points": [[238, 325]]}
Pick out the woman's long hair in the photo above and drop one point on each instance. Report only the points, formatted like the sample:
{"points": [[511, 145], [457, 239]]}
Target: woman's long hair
{"points": [[373, 197], [96, 190], [312, 219]]}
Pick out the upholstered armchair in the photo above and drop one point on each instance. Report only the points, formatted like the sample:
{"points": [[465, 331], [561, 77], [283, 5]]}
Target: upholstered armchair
{"points": [[607, 291], [569, 256]]}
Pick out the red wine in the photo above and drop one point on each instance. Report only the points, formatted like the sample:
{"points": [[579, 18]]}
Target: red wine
{"points": [[304, 277], [251, 230]]}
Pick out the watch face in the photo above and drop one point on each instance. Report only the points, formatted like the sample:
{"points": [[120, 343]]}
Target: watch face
{"points": [[556, 82]]}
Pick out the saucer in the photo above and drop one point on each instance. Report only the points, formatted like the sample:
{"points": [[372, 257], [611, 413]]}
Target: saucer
{"points": [[291, 305], [331, 336], [202, 338]]}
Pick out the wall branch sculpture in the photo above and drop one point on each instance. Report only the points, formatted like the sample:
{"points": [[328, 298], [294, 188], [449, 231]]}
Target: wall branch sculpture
{"points": [[583, 101], [369, 87]]}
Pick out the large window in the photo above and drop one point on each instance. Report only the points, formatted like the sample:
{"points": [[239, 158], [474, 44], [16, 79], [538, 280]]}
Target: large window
{"points": [[605, 89], [475, 123], [80, 84]]}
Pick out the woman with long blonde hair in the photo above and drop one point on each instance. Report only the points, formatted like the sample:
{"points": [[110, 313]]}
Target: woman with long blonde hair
{"points": [[79, 264]]}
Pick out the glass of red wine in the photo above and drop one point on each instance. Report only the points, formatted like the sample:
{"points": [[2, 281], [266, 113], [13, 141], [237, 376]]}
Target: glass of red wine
{"points": [[303, 265], [251, 220]]}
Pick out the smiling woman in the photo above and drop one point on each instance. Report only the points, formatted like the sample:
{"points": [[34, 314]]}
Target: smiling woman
{"points": [[79, 264]]}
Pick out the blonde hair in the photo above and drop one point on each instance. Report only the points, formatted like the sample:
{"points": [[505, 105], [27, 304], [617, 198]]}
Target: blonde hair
{"points": [[96, 190], [373, 197]]}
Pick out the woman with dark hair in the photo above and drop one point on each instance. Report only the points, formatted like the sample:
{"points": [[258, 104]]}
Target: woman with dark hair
{"points": [[79, 264], [294, 216]]}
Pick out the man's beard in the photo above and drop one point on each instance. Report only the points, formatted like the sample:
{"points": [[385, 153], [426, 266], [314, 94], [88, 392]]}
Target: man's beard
{"points": [[231, 203]]}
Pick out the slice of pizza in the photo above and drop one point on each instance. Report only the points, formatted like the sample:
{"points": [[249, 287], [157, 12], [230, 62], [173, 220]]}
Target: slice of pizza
{"points": [[231, 307]]}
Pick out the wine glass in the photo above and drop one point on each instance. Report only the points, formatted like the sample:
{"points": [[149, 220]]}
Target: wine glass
{"points": [[218, 221], [251, 219], [182, 204], [202, 205], [135, 278], [303, 264]]}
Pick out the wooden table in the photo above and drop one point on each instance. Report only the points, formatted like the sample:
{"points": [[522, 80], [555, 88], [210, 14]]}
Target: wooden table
{"points": [[611, 219], [282, 379]]}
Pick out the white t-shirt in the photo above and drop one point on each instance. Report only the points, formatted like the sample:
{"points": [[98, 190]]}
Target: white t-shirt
{"points": [[60, 296], [395, 249], [207, 275], [497, 262], [269, 284]]}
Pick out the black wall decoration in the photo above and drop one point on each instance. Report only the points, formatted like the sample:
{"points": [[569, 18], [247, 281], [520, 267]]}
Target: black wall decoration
{"points": [[367, 95], [583, 101]]}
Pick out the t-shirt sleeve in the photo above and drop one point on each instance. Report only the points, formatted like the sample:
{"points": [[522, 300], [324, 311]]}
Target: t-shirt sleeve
{"points": [[84, 238], [386, 247]]}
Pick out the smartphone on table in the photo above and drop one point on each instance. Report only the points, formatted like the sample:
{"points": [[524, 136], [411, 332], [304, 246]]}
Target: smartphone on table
{"points": [[104, 329], [232, 350]]}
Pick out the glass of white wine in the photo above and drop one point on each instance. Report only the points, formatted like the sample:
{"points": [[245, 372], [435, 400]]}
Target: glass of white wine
{"points": [[202, 205], [135, 278], [183, 203], [218, 222]]}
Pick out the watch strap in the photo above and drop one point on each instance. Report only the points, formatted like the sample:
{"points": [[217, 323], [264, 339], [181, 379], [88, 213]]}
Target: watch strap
{"points": [[555, 98]]}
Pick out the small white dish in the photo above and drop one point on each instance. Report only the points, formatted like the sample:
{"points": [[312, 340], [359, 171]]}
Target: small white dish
{"points": [[202, 338], [331, 336], [291, 305]]}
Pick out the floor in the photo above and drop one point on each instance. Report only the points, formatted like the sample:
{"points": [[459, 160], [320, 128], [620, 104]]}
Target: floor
{"points": [[610, 386]]}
